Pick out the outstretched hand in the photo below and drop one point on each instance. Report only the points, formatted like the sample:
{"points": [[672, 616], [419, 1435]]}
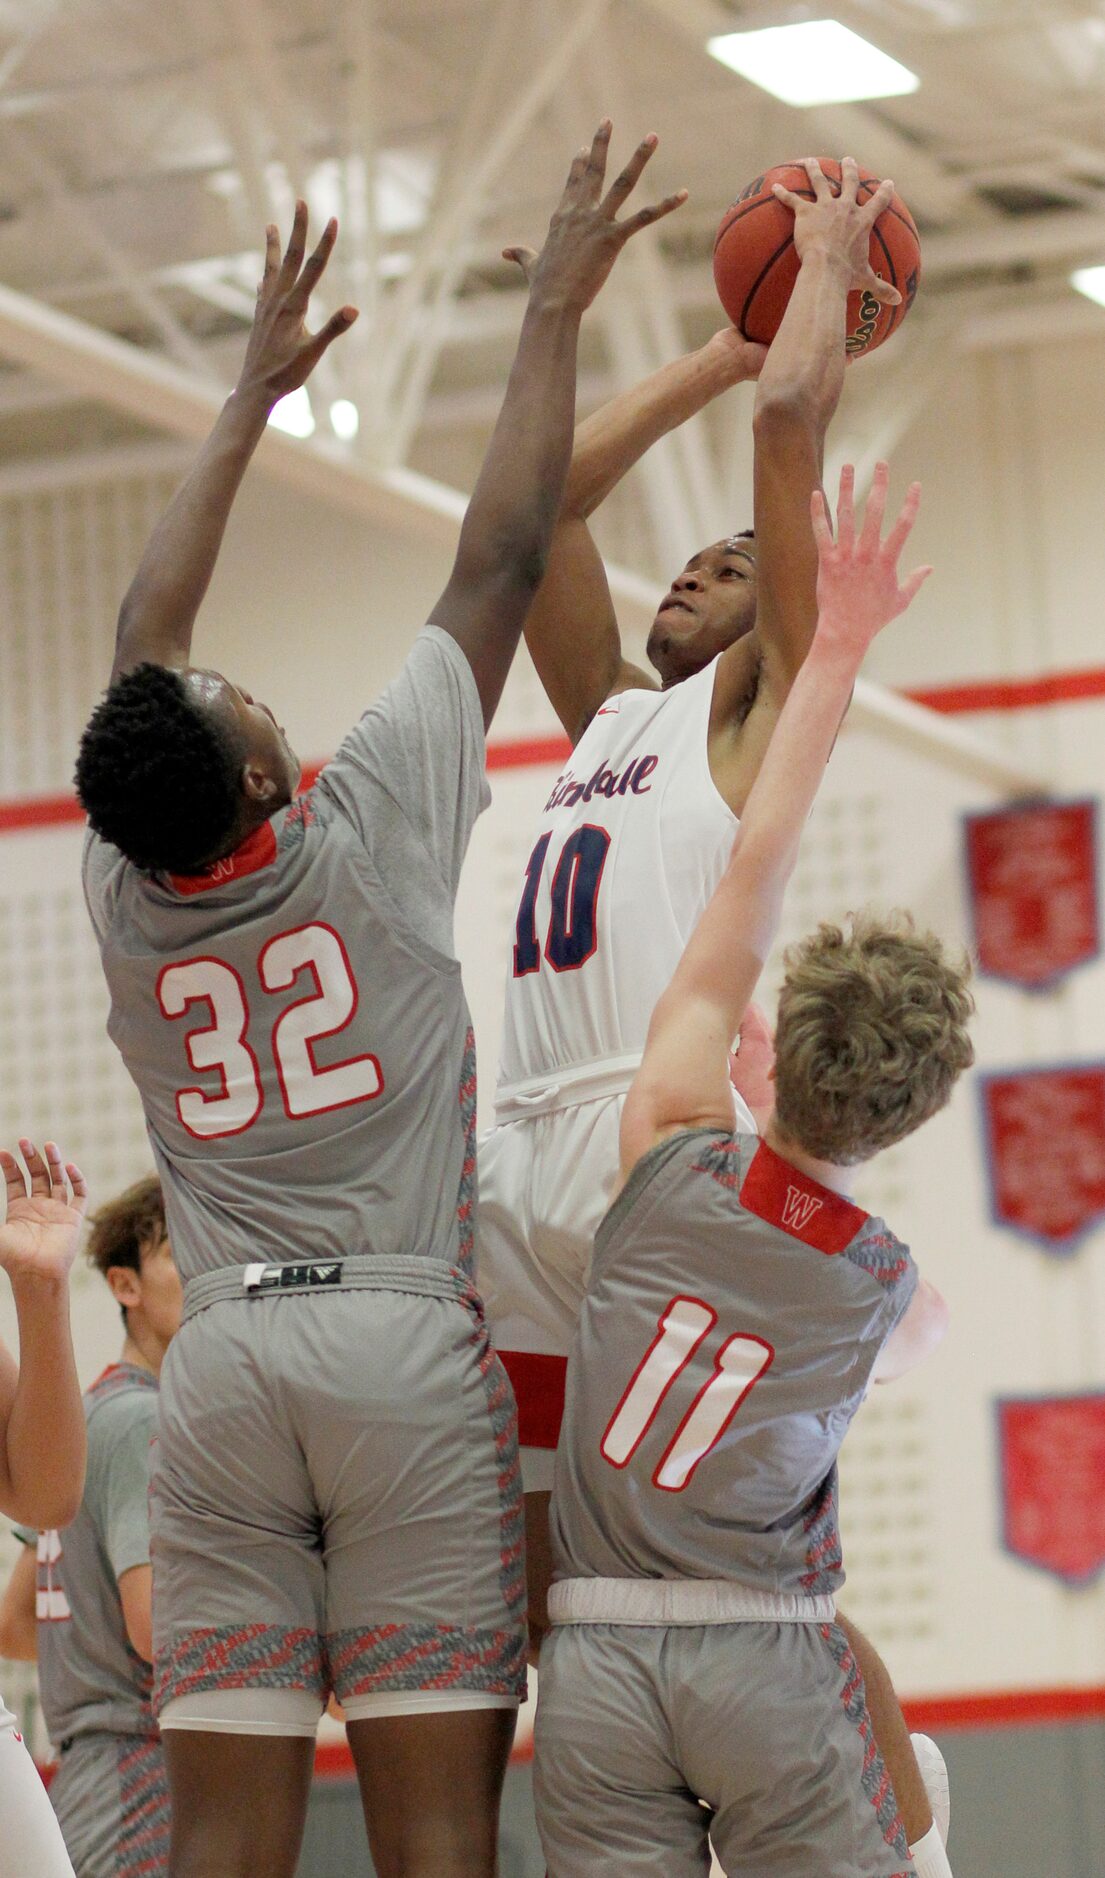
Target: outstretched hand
{"points": [[281, 353], [39, 1236], [840, 224], [584, 238], [858, 591]]}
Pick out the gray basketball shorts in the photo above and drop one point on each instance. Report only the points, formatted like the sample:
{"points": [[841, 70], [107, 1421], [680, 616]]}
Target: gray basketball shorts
{"points": [[111, 1796], [335, 1501], [650, 1741]]}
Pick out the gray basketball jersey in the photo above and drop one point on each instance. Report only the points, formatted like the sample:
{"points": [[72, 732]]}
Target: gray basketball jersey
{"points": [[294, 1018], [734, 1314], [90, 1679]]}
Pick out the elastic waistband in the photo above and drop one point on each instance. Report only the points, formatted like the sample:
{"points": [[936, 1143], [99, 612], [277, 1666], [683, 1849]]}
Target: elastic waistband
{"points": [[580, 1082], [663, 1601], [424, 1277]]}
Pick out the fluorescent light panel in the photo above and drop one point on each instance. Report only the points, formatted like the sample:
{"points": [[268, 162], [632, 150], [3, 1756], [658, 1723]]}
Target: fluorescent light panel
{"points": [[1091, 282], [818, 62]]}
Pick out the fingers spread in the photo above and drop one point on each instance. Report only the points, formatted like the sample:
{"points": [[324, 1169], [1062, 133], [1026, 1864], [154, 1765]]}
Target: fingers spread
{"points": [[79, 1185], [881, 290], [595, 172], [822, 187], [654, 213], [272, 256], [903, 527], [36, 1168], [876, 509], [524, 257], [787, 196], [338, 323], [297, 241], [624, 183], [849, 178], [14, 1181], [845, 508], [882, 198], [912, 585], [315, 264], [819, 516]]}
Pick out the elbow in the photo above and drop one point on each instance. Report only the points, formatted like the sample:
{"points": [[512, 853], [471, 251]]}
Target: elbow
{"points": [[52, 1513]]}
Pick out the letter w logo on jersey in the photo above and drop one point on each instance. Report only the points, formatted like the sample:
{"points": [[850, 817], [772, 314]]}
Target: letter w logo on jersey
{"points": [[799, 1208], [738, 1367]]}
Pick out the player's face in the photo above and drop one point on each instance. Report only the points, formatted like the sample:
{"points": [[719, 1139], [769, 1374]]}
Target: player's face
{"points": [[710, 605], [162, 1296], [265, 747]]}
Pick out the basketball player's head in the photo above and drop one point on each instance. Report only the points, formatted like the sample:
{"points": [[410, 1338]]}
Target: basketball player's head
{"points": [[177, 768], [129, 1244], [709, 606], [870, 1038]]}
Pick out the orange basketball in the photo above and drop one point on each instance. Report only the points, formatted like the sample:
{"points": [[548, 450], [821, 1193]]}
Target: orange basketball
{"points": [[756, 266]]}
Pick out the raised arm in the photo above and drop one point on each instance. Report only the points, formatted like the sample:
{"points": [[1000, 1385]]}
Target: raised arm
{"points": [[42, 1435], [797, 395], [683, 1081], [504, 543], [159, 611], [571, 628]]}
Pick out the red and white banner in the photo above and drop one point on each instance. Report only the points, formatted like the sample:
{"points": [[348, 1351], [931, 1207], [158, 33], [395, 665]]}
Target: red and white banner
{"points": [[1032, 888], [1044, 1132], [1053, 1483]]}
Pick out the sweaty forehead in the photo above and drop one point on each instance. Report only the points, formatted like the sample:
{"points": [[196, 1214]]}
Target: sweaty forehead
{"points": [[733, 547]]}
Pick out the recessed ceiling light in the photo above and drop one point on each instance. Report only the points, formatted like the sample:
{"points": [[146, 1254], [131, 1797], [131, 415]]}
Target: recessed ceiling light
{"points": [[818, 62], [345, 419], [294, 414], [1091, 282]]}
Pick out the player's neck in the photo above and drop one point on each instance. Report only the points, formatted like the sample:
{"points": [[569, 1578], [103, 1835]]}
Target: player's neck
{"points": [[143, 1348], [826, 1173]]}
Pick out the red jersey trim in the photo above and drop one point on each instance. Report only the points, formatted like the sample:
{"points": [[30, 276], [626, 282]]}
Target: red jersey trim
{"points": [[776, 1192], [258, 850], [538, 1384]]}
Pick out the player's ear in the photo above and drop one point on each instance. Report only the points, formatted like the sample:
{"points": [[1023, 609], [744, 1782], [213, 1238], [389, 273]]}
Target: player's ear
{"points": [[257, 784], [125, 1285]]}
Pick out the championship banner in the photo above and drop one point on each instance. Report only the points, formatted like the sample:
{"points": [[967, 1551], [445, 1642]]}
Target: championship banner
{"points": [[1052, 1465], [1044, 1132], [1032, 890]]}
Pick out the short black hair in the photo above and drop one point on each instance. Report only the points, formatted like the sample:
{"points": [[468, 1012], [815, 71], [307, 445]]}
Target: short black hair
{"points": [[156, 776]]}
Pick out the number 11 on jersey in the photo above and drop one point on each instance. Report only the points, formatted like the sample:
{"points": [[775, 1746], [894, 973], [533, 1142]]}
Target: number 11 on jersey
{"points": [[738, 1367]]}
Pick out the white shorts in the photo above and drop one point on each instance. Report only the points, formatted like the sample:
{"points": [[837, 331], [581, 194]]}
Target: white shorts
{"points": [[547, 1172]]}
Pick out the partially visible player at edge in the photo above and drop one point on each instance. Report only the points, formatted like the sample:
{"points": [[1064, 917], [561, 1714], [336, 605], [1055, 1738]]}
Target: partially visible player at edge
{"points": [[42, 1443], [640, 825], [79, 1601], [739, 1307], [335, 1498]]}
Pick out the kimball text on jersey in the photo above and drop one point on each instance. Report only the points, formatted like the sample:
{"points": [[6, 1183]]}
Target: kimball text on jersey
{"points": [[604, 782]]}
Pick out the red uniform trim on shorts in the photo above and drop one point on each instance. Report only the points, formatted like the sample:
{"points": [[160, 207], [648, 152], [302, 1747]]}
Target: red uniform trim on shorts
{"points": [[538, 1384]]}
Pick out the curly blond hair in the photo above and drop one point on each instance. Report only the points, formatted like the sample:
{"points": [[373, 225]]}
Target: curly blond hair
{"points": [[871, 1036]]}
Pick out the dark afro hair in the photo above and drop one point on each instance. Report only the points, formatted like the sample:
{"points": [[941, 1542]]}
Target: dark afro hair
{"points": [[156, 776]]}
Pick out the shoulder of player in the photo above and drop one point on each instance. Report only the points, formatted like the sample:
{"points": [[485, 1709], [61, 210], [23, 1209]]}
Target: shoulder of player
{"points": [[629, 678], [114, 1414]]}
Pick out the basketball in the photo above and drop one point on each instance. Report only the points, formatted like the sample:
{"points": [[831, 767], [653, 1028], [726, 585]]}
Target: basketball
{"points": [[756, 264]]}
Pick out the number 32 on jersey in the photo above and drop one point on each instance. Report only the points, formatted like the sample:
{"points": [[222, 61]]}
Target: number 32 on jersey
{"points": [[738, 1367], [222, 1046]]}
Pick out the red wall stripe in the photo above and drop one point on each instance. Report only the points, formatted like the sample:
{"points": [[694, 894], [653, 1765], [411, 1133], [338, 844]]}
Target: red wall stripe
{"points": [[998, 694]]}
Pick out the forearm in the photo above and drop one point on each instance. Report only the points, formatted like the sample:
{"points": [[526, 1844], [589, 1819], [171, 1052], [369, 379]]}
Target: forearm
{"points": [[160, 607], [517, 497], [804, 368], [18, 1624], [613, 439], [43, 1454]]}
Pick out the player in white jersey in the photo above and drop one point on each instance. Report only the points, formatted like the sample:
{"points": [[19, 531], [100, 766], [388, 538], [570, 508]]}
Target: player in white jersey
{"points": [[42, 1444], [638, 828], [740, 1306]]}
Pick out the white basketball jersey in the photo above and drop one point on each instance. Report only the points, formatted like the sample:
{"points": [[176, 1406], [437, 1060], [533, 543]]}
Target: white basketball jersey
{"points": [[632, 842]]}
